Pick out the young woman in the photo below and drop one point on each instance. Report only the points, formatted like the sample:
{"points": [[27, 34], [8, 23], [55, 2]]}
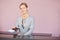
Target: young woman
{"points": [[25, 22]]}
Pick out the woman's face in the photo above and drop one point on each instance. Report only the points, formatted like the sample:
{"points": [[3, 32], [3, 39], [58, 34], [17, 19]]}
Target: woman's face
{"points": [[23, 8]]}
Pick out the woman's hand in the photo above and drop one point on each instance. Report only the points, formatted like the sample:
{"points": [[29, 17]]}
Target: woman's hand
{"points": [[15, 28]]}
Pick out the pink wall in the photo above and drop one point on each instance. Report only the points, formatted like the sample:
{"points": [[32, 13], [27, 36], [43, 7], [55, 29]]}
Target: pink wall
{"points": [[45, 12]]}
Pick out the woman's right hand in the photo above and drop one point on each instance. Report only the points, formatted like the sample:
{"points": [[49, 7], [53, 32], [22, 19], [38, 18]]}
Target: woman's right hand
{"points": [[13, 28]]}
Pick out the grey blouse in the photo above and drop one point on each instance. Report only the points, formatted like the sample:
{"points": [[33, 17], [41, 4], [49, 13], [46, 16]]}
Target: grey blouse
{"points": [[28, 25]]}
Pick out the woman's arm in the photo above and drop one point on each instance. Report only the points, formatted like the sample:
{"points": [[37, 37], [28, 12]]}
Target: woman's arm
{"points": [[30, 28]]}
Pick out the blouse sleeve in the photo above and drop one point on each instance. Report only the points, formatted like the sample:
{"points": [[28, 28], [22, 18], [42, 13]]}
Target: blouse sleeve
{"points": [[31, 27], [17, 23]]}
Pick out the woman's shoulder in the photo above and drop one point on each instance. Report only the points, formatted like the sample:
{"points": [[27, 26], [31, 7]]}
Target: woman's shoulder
{"points": [[31, 17], [19, 18]]}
